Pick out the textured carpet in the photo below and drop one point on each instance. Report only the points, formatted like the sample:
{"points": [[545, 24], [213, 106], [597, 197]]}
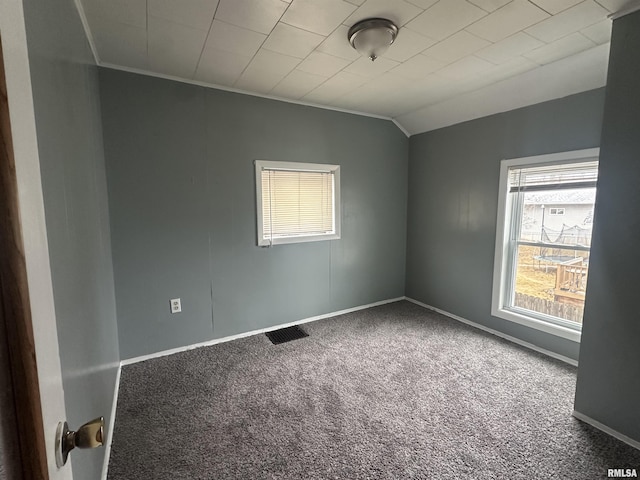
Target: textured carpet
{"points": [[391, 392]]}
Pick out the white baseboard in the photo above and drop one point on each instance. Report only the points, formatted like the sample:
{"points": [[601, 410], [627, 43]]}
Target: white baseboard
{"points": [[208, 343], [112, 422], [531, 346], [609, 431]]}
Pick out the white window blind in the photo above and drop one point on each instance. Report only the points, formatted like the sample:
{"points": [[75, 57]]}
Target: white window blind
{"points": [[297, 202], [548, 177]]}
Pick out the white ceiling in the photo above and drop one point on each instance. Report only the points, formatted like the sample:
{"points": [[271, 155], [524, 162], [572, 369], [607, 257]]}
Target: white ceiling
{"points": [[453, 60]]}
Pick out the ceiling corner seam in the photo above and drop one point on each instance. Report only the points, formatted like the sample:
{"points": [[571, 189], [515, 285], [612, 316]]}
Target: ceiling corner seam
{"points": [[400, 127], [87, 31], [629, 8]]}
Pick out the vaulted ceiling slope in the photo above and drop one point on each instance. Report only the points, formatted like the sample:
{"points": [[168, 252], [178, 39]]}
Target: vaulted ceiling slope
{"points": [[453, 60]]}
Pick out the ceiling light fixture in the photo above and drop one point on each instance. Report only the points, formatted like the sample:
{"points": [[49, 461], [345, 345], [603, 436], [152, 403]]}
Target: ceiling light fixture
{"points": [[372, 37]]}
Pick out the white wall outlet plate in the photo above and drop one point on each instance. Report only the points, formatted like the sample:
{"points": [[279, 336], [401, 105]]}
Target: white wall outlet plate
{"points": [[176, 306]]}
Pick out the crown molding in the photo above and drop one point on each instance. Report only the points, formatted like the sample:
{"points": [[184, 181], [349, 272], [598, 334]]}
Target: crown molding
{"points": [[245, 92]]}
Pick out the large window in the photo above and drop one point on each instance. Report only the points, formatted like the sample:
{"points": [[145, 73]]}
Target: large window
{"points": [[297, 202], [543, 240]]}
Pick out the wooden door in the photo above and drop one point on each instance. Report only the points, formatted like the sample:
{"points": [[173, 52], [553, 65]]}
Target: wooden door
{"points": [[32, 402]]}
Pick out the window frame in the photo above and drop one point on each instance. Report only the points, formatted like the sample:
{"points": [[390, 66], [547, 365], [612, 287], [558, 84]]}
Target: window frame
{"points": [[261, 165], [502, 278]]}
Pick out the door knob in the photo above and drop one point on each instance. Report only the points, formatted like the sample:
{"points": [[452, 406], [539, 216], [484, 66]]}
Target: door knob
{"points": [[88, 435]]}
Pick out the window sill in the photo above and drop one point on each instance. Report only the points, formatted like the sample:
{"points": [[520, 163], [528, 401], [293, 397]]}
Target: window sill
{"points": [[301, 239], [538, 324]]}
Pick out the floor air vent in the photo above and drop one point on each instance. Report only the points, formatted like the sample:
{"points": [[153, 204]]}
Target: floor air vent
{"points": [[286, 334]]}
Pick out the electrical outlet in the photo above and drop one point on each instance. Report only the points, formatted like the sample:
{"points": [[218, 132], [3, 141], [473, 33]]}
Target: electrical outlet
{"points": [[176, 306]]}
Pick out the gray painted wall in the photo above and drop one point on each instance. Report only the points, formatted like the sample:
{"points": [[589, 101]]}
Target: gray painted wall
{"points": [[182, 201], [453, 199], [68, 123], [609, 375]]}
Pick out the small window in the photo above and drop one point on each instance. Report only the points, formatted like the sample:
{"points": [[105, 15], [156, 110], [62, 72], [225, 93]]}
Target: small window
{"points": [[542, 263], [556, 211], [297, 202]]}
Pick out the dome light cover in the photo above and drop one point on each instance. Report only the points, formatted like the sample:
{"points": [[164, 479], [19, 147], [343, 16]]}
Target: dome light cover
{"points": [[372, 37]]}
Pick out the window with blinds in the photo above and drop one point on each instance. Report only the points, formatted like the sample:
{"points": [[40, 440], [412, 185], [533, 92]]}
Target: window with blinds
{"points": [[553, 177], [543, 240], [297, 202]]}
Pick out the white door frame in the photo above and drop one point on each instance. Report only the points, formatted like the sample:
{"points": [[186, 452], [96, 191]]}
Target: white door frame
{"points": [[34, 232]]}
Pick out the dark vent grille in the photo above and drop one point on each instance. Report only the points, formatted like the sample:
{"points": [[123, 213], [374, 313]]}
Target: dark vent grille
{"points": [[286, 334]]}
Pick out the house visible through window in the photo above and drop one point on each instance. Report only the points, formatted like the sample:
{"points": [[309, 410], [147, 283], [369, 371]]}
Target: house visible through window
{"points": [[297, 202], [542, 261]]}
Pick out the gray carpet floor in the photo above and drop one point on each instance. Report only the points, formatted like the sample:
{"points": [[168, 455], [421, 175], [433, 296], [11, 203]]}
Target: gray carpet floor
{"points": [[391, 392]]}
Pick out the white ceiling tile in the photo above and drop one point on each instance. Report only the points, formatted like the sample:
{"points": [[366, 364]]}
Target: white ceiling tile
{"points": [[321, 96], [404, 105], [426, 91], [265, 71], [174, 49], [408, 43], [320, 63], [338, 45], [121, 44], [297, 84], [381, 90], [358, 101], [506, 21], [616, 5], [424, 4], [318, 16], [340, 84], [220, 67], [192, 13], [129, 12], [398, 11], [600, 32], [403, 102], [390, 83], [491, 5], [365, 67], [369, 98], [515, 66], [576, 18], [455, 47], [292, 41], [418, 67], [257, 83], [465, 68], [555, 6], [578, 73], [266, 60], [378, 95], [509, 48], [562, 48], [229, 38], [257, 15], [445, 18]]}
